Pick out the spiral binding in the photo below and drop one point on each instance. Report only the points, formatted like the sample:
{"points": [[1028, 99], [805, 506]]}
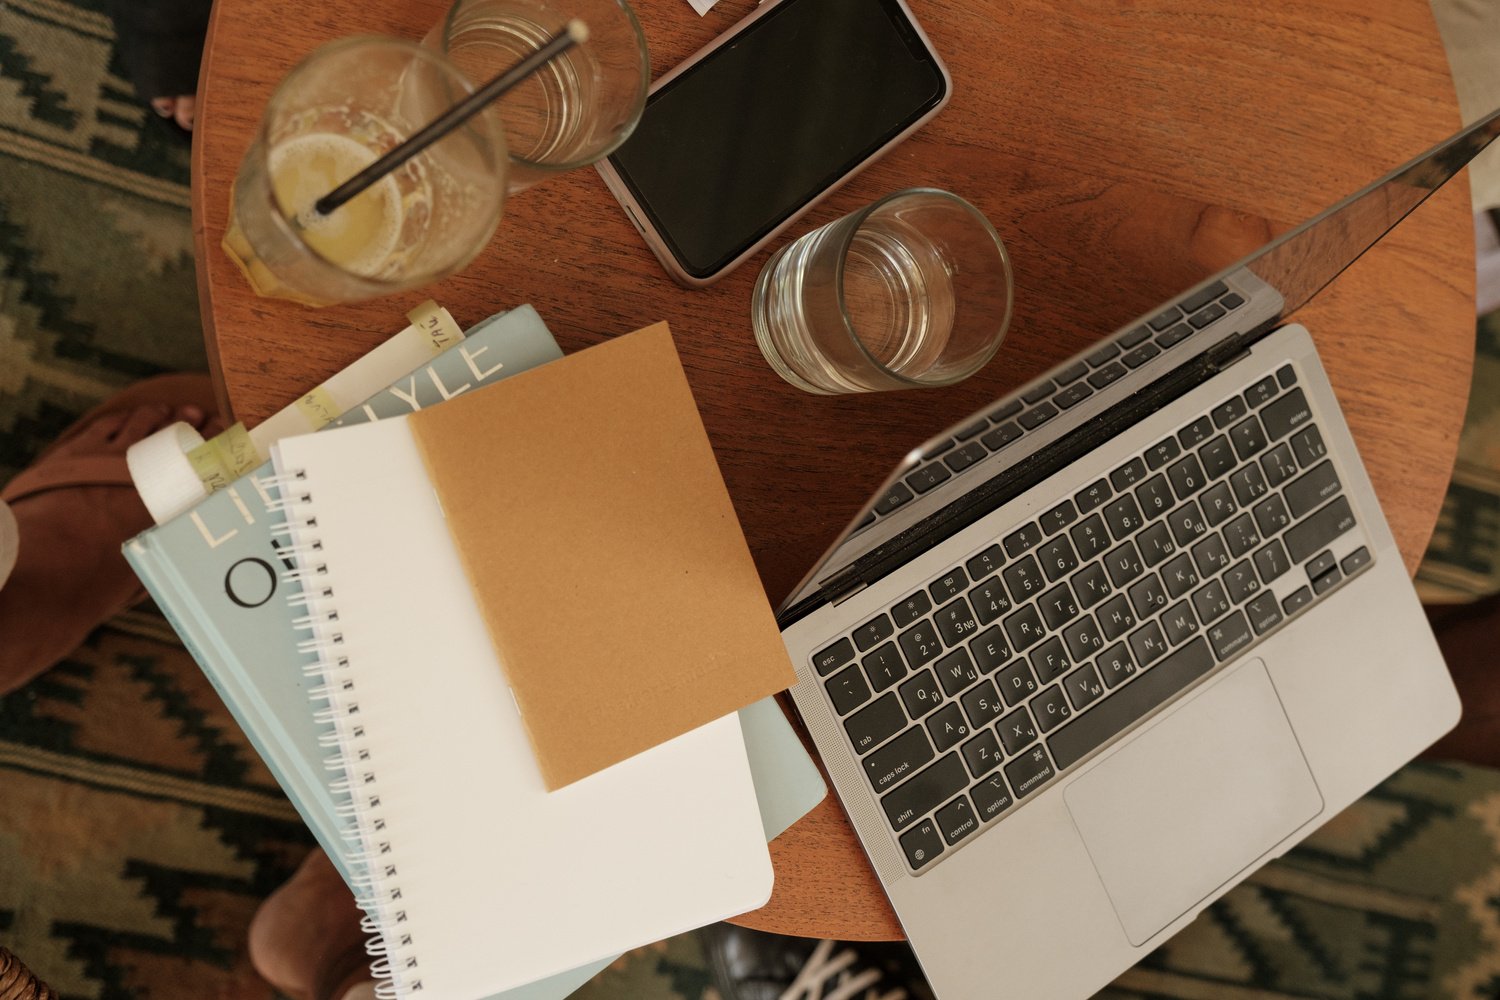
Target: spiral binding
{"points": [[370, 860]]}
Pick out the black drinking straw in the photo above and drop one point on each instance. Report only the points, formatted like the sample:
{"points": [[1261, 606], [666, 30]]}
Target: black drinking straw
{"points": [[573, 33]]}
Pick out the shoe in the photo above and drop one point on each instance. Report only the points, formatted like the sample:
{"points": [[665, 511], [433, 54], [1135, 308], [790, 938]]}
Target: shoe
{"points": [[73, 508], [753, 965]]}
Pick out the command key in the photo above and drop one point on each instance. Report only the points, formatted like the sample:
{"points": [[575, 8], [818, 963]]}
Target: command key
{"points": [[1029, 771]]}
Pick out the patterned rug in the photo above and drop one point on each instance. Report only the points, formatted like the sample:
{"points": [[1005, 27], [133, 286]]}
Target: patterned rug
{"points": [[96, 253], [138, 830], [1462, 561]]}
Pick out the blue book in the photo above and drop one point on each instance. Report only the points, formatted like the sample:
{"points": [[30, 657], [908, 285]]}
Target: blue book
{"points": [[215, 572], [216, 575]]}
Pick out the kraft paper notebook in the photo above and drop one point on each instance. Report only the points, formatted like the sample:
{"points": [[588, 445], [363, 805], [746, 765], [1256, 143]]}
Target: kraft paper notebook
{"points": [[477, 876], [605, 552]]}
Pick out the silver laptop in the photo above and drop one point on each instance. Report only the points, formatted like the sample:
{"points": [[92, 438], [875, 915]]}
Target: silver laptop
{"points": [[1094, 654]]}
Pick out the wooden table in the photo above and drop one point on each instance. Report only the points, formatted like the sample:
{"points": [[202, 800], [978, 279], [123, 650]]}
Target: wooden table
{"points": [[1122, 148]]}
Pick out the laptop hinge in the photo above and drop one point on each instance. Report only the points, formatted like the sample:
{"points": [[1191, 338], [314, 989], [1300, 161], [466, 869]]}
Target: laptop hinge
{"points": [[846, 592], [1002, 488], [1236, 348], [835, 590]]}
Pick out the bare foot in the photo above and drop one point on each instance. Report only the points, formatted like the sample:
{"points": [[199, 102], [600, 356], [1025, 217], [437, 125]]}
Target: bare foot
{"points": [[180, 109], [305, 939], [69, 575]]}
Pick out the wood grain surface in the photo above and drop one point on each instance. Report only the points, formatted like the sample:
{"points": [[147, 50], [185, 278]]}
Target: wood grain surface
{"points": [[1122, 148]]}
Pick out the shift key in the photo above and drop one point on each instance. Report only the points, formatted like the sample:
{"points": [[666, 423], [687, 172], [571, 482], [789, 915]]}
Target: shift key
{"points": [[1312, 534], [925, 791]]}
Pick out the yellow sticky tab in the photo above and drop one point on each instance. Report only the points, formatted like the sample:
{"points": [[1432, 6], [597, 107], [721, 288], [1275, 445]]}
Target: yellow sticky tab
{"points": [[236, 450], [319, 407], [208, 467], [436, 325]]}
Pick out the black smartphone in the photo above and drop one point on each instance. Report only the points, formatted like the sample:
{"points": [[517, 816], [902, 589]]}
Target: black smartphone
{"points": [[756, 127]]}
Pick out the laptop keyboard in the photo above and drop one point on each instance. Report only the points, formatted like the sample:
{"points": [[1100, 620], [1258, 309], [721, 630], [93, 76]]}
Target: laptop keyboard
{"points": [[977, 690], [1009, 422]]}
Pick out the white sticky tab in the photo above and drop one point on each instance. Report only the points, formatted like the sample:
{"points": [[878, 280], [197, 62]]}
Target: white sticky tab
{"points": [[162, 473]]}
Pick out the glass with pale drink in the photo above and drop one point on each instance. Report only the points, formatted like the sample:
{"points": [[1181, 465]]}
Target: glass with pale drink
{"points": [[336, 113], [911, 291]]}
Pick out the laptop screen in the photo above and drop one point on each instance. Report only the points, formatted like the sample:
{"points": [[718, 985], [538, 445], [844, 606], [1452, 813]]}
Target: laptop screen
{"points": [[1303, 261], [1287, 271]]}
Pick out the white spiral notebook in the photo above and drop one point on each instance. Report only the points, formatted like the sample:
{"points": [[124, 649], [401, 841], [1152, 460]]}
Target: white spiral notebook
{"points": [[476, 879]]}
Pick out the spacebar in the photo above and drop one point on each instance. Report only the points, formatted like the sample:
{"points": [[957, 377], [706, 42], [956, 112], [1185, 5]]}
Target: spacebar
{"points": [[1112, 715]]}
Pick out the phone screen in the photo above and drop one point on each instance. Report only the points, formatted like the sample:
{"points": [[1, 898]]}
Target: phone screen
{"points": [[738, 143]]}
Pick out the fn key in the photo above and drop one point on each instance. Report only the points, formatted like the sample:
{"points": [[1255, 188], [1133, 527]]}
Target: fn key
{"points": [[922, 843]]}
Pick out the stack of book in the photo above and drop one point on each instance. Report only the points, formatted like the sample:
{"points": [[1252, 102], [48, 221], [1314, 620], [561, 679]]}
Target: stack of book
{"points": [[496, 853]]}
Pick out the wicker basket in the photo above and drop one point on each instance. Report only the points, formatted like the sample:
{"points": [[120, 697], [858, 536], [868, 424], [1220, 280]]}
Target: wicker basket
{"points": [[17, 982]]}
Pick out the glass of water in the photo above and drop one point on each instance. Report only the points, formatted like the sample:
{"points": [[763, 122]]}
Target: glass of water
{"points": [[911, 291], [575, 110]]}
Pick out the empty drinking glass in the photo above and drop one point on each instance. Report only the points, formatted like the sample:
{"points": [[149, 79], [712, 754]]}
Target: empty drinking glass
{"points": [[913, 290], [572, 112]]}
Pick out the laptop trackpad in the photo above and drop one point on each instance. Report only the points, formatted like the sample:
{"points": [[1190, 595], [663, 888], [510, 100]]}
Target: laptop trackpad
{"points": [[1194, 800]]}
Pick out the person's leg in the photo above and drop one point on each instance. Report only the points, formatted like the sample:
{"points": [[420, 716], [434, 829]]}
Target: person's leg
{"points": [[161, 44], [73, 509], [306, 940]]}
